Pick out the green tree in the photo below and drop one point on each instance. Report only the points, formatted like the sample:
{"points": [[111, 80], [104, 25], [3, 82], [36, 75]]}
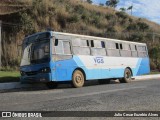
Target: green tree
{"points": [[123, 9], [142, 26], [130, 8], [112, 3], [101, 4], [89, 1]]}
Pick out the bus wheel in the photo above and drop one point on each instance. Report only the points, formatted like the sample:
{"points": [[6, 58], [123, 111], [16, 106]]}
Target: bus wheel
{"points": [[52, 85], [127, 76], [107, 81], [77, 79]]}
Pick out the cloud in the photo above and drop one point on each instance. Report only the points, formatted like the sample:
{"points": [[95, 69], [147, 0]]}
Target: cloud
{"points": [[148, 9]]}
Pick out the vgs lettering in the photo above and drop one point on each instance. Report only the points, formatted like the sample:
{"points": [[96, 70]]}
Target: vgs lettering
{"points": [[99, 60]]}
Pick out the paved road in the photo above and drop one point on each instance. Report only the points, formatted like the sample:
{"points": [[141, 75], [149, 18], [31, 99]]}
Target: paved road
{"points": [[135, 96]]}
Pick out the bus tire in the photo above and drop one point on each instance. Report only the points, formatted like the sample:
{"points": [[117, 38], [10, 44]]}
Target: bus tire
{"points": [[127, 76], [52, 85], [78, 79], [107, 81]]}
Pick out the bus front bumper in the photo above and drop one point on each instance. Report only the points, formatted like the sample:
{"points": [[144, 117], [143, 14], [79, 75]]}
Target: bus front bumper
{"points": [[39, 78]]}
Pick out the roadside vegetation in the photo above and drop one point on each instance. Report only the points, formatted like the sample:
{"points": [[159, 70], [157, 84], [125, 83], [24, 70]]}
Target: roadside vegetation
{"points": [[74, 16], [9, 76]]}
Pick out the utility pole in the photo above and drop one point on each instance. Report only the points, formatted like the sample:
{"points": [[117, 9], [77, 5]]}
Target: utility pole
{"points": [[0, 43]]}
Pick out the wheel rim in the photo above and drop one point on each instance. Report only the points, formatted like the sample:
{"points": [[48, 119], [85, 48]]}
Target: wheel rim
{"points": [[78, 79], [128, 74]]}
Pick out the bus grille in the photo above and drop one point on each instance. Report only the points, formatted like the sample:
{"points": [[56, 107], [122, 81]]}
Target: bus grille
{"points": [[31, 73]]}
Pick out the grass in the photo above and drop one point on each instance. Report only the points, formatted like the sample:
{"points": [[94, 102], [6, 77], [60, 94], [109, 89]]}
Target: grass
{"points": [[154, 72], [9, 76]]}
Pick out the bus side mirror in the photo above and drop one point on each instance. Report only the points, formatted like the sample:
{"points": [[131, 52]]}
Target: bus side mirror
{"points": [[56, 42]]}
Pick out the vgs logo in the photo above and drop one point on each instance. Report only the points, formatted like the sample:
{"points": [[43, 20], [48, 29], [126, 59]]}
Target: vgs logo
{"points": [[99, 60]]}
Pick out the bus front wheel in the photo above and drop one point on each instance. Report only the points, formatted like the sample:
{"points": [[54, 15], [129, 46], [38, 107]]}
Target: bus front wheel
{"points": [[127, 76], [77, 79]]}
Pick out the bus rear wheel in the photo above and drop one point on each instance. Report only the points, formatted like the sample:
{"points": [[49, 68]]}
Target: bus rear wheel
{"points": [[52, 85], [127, 76], [77, 79]]}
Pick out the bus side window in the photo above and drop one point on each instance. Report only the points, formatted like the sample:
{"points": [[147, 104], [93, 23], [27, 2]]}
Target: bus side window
{"points": [[103, 44], [135, 47], [56, 42], [87, 42], [67, 48], [99, 48], [142, 51], [62, 51], [125, 50], [92, 43], [59, 48], [133, 50], [112, 49], [80, 46], [117, 46], [121, 46]]}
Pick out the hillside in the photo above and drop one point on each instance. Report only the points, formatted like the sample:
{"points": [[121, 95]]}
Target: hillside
{"points": [[72, 16]]}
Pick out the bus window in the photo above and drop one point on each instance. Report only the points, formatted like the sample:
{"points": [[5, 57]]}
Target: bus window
{"points": [[56, 42], [103, 44], [80, 47], [59, 48], [125, 50], [112, 48], [92, 43], [63, 50], [87, 42], [97, 44], [117, 46], [79, 42], [142, 51], [110, 45], [98, 49], [66, 46], [133, 49], [121, 46]]}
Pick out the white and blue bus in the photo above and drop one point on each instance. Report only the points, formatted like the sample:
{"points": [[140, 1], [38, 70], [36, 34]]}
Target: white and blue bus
{"points": [[54, 57]]}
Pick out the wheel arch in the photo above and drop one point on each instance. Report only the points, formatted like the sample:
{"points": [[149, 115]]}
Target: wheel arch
{"points": [[80, 69], [130, 70]]}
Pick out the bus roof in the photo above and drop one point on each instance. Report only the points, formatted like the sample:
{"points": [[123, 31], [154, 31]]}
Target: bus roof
{"points": [[93, 37], [86, 36]]}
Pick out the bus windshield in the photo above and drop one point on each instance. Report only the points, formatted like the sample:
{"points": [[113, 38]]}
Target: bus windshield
{"points": [[35, 53]]}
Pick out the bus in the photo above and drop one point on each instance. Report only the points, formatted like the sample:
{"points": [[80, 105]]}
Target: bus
{"points": [[53, 57]]}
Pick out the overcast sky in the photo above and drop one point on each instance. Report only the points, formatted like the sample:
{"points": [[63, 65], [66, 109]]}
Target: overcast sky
{"points": [[149, 9]]}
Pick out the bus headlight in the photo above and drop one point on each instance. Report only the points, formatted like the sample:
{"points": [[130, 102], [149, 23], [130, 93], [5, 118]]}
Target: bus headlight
{"points": [[22, 73], [45, 70]]}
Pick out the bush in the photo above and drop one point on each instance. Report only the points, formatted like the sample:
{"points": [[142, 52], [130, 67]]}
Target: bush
{"points": [[79, 9], [142, 26], [121, 15], [74, 18], [153, 66], [137, 37], [109, 16], [27, 23]]}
